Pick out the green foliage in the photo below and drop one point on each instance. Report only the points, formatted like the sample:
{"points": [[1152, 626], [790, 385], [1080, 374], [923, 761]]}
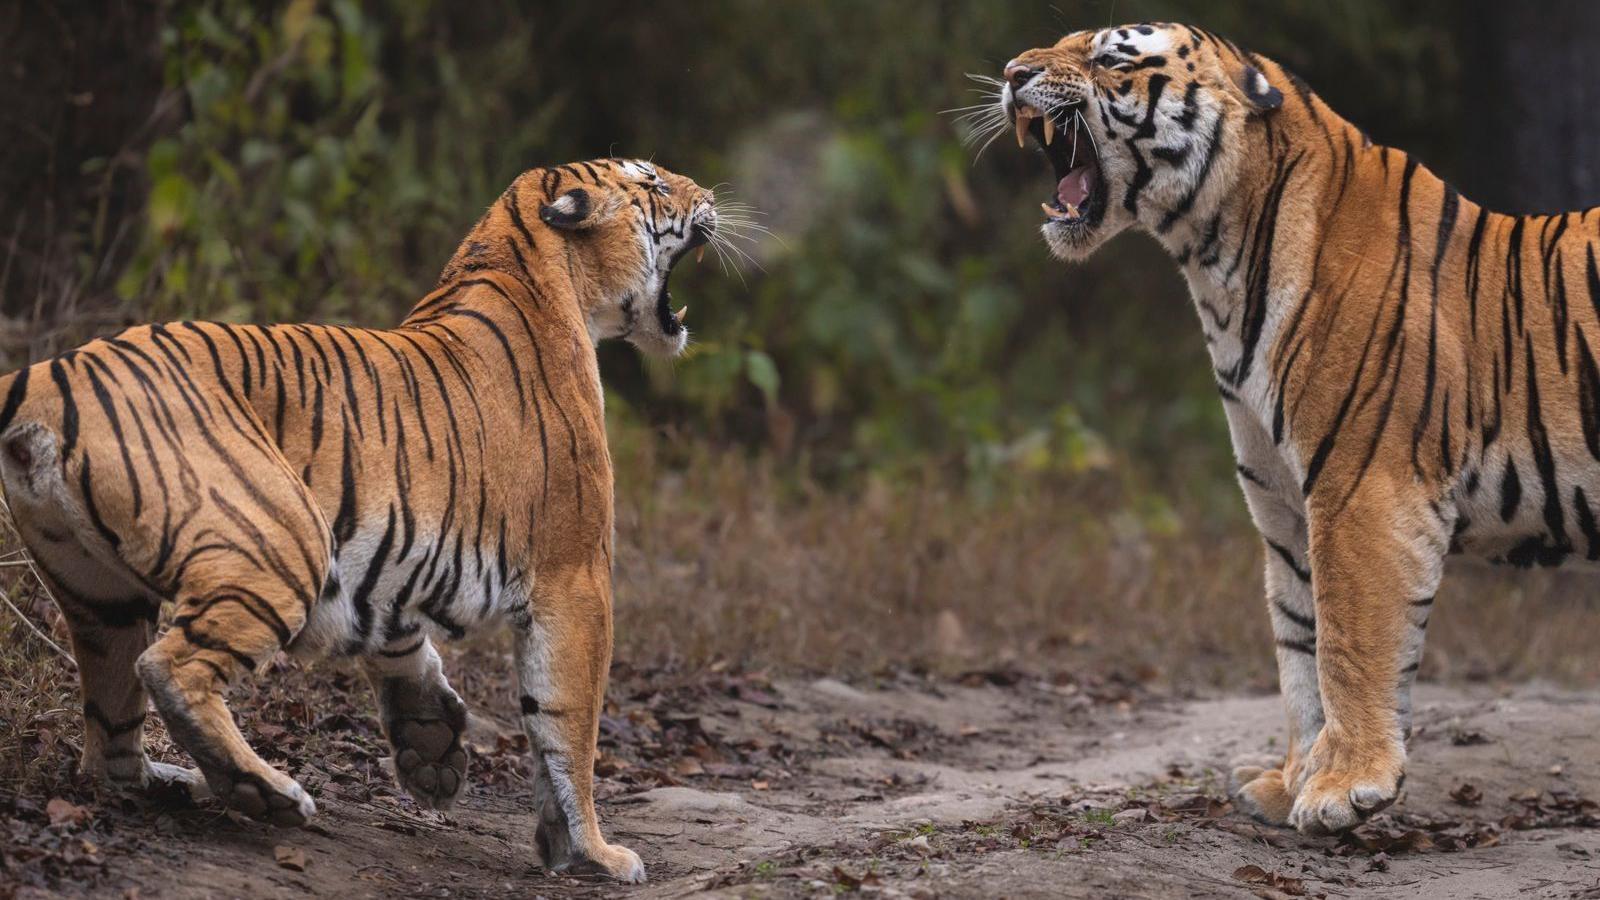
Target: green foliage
{"points": [[329, 155]]}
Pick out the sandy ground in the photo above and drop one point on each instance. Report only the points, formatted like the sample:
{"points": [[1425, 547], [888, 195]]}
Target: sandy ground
{"points": [[905, 787]]}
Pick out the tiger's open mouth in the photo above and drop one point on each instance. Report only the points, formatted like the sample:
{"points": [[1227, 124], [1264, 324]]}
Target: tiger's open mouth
{"points": [[1079, 199], [672, 322]]}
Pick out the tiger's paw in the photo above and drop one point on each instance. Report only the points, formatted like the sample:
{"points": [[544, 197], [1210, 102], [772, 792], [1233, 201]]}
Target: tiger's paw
{"points": [[429, 761], [608, 861], [1261, 794], [273, 798], [1332, 802]]}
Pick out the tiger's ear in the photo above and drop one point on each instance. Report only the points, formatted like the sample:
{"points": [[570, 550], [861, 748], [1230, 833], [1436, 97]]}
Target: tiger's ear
{"points": [[1258, 91], [570, 211]]}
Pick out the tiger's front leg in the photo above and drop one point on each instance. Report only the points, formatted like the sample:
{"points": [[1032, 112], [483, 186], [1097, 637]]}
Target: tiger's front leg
{"points": [[424, 719], [1267, 792], [563, 655], [1376, 554]]}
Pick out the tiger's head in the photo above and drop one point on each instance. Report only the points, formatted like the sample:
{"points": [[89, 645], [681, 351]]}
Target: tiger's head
{"points": [[1141, 124], [629, 222], [612, 229]]}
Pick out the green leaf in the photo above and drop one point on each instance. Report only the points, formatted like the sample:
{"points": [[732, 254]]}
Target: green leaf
{"points": [[763, 373]]}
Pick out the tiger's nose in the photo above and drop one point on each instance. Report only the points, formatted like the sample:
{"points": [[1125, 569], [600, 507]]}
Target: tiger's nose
{"points": [[1018, 74]]}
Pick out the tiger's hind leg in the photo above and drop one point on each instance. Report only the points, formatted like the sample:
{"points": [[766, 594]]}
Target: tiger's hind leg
{"points": [[110, 616], [260, 558], [424, 719], [108, 635], [235, 609], [220, 633]]}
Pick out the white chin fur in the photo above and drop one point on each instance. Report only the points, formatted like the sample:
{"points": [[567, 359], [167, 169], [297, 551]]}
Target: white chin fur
{"points": [[654, 343], [1063, 247]]}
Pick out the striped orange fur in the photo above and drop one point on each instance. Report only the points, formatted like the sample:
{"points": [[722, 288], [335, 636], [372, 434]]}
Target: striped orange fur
{"points": [[1405, 373], [326, 489]]}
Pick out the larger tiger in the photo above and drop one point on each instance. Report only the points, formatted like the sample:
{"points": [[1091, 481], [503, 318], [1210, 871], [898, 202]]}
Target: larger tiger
{"points": [[1405, 373], [325, 489]]}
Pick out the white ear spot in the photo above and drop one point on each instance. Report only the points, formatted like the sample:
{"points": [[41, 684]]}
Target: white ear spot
{"points": [[564, 204], [1261, 83]]}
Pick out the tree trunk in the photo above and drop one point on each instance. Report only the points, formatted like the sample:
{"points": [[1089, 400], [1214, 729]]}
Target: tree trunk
{"points": [[78, 82], [1533, 104]]}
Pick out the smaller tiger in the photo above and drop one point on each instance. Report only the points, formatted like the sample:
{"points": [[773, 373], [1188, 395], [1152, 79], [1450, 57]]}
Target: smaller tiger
{"points": [[359, 492]]}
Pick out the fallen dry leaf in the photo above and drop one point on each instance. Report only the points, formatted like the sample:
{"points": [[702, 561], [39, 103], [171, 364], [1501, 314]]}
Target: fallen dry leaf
{"points": [[1467, 794], [1252, 874], [290, 857], [1376, 837], [65, 812], [1199, 805], [607, 765], [852, 883], [687, 767]]}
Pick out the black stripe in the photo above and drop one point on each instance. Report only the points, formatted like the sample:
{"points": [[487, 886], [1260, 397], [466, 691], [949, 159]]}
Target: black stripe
{"points": [[1260, 277], [505, 345], [1248, 474], [1474, 258], [361, 599], [1543, 457], [69, 408], [1213, 145], [1510, 491], [93, 712], [14, 397], [344, 521], [1586, 522], [1447, 221], [86, 487], [1288, 558], [1309, 623]]}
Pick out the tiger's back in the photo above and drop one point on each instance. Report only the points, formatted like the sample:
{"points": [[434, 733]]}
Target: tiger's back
{"points": [[163, 427]]}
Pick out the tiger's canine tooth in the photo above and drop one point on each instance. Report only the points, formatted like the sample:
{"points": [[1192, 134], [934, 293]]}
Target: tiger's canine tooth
{"points": [[1024, 114]]}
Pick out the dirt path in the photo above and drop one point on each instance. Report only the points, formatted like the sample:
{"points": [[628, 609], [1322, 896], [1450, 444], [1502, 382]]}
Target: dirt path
{"points": [[912, 788]]}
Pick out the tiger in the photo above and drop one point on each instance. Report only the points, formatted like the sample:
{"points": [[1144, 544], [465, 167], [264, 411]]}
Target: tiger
{"points": [[331, 490], [1406, 375]]}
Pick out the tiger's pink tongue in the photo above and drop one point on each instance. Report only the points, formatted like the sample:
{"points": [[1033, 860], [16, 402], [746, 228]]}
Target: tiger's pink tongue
{"points": [[1074, 189]]}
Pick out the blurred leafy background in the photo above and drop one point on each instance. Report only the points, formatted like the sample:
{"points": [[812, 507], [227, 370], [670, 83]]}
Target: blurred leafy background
{"points": [[905, 335]]}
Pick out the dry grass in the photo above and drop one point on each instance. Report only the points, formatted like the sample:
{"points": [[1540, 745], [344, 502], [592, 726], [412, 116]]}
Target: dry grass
{"points": [[722, 557], [725, 557], [41, 731], [728, 558]]}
